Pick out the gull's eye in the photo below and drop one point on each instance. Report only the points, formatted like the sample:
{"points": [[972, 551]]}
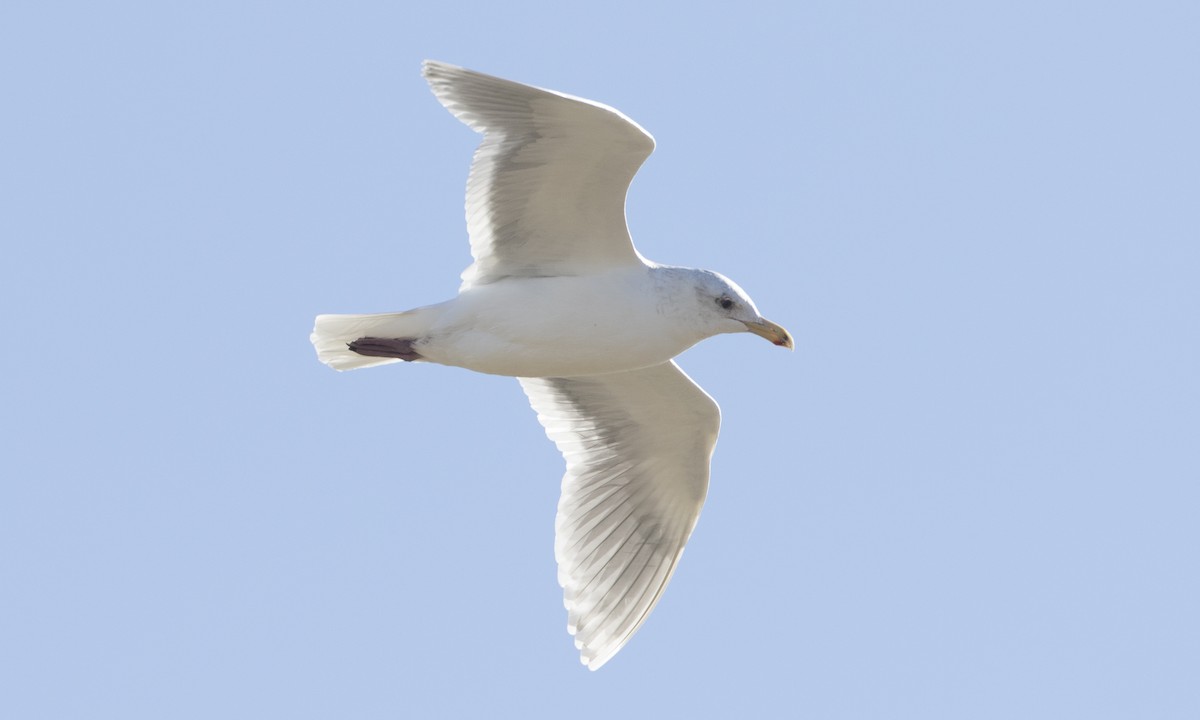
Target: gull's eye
{"points": [[725, 301]]}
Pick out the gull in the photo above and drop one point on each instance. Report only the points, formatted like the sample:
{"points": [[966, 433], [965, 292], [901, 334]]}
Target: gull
{"points": [[558, 297]]}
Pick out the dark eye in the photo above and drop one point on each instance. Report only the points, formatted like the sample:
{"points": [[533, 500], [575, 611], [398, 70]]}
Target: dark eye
{"points": [[725, 301]]}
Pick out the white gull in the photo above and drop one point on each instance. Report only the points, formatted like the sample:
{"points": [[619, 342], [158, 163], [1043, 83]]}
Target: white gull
{"points": [[558, 297]]}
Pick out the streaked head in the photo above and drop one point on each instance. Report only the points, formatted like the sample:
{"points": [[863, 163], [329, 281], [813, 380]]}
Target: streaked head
{"points": [[729, 309]]}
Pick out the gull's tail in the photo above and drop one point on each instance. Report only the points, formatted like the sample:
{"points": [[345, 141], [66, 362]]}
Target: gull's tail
{"points": [[332, 335]]}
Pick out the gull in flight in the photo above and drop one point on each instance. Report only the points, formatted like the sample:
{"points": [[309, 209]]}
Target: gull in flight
{"points": [[558, 297]]}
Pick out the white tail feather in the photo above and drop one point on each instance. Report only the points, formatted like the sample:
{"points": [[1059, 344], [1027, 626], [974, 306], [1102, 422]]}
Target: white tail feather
{"points": [[332, 333]]}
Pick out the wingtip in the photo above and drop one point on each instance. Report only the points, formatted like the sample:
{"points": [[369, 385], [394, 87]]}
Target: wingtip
{"points": [[432, 68], [587, 656]]}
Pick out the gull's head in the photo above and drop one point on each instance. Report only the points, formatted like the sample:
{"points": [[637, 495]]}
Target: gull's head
{"points": [[727, 308]]}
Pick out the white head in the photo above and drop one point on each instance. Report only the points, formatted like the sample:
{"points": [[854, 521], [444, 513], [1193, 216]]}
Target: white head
{"points": [[723, 306]]}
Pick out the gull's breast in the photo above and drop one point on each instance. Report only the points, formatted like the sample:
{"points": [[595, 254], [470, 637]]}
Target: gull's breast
{"points": [[556, 327]]}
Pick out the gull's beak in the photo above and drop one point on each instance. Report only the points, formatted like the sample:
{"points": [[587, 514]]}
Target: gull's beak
{"points": [[765, 328]]}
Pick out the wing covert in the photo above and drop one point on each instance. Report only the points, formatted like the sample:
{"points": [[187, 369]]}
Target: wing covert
{"points": [[637, 447], [546, 193]]}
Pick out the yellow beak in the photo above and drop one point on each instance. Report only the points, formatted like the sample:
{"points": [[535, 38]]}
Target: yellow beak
{"points": [[771, 331]]}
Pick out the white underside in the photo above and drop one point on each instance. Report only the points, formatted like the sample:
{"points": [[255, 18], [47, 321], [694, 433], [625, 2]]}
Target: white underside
{"points": [[528, 327]]}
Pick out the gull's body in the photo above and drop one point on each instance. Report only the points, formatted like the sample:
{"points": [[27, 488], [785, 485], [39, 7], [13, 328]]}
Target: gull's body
{"points": [[558, 297]]}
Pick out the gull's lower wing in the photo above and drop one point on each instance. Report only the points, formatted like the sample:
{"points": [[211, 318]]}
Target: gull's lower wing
{"points": [[637, 446], [546, 194]]}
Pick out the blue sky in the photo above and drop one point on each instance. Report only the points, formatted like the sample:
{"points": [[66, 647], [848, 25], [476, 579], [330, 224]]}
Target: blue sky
{"points": [[972, 491]]}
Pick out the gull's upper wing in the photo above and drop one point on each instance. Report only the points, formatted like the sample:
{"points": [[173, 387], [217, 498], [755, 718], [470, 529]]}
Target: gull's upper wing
{"points": [[637, 446], [546, 194]]}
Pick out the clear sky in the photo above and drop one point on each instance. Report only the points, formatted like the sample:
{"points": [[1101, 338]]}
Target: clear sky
{"points": [[971, 492]]}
